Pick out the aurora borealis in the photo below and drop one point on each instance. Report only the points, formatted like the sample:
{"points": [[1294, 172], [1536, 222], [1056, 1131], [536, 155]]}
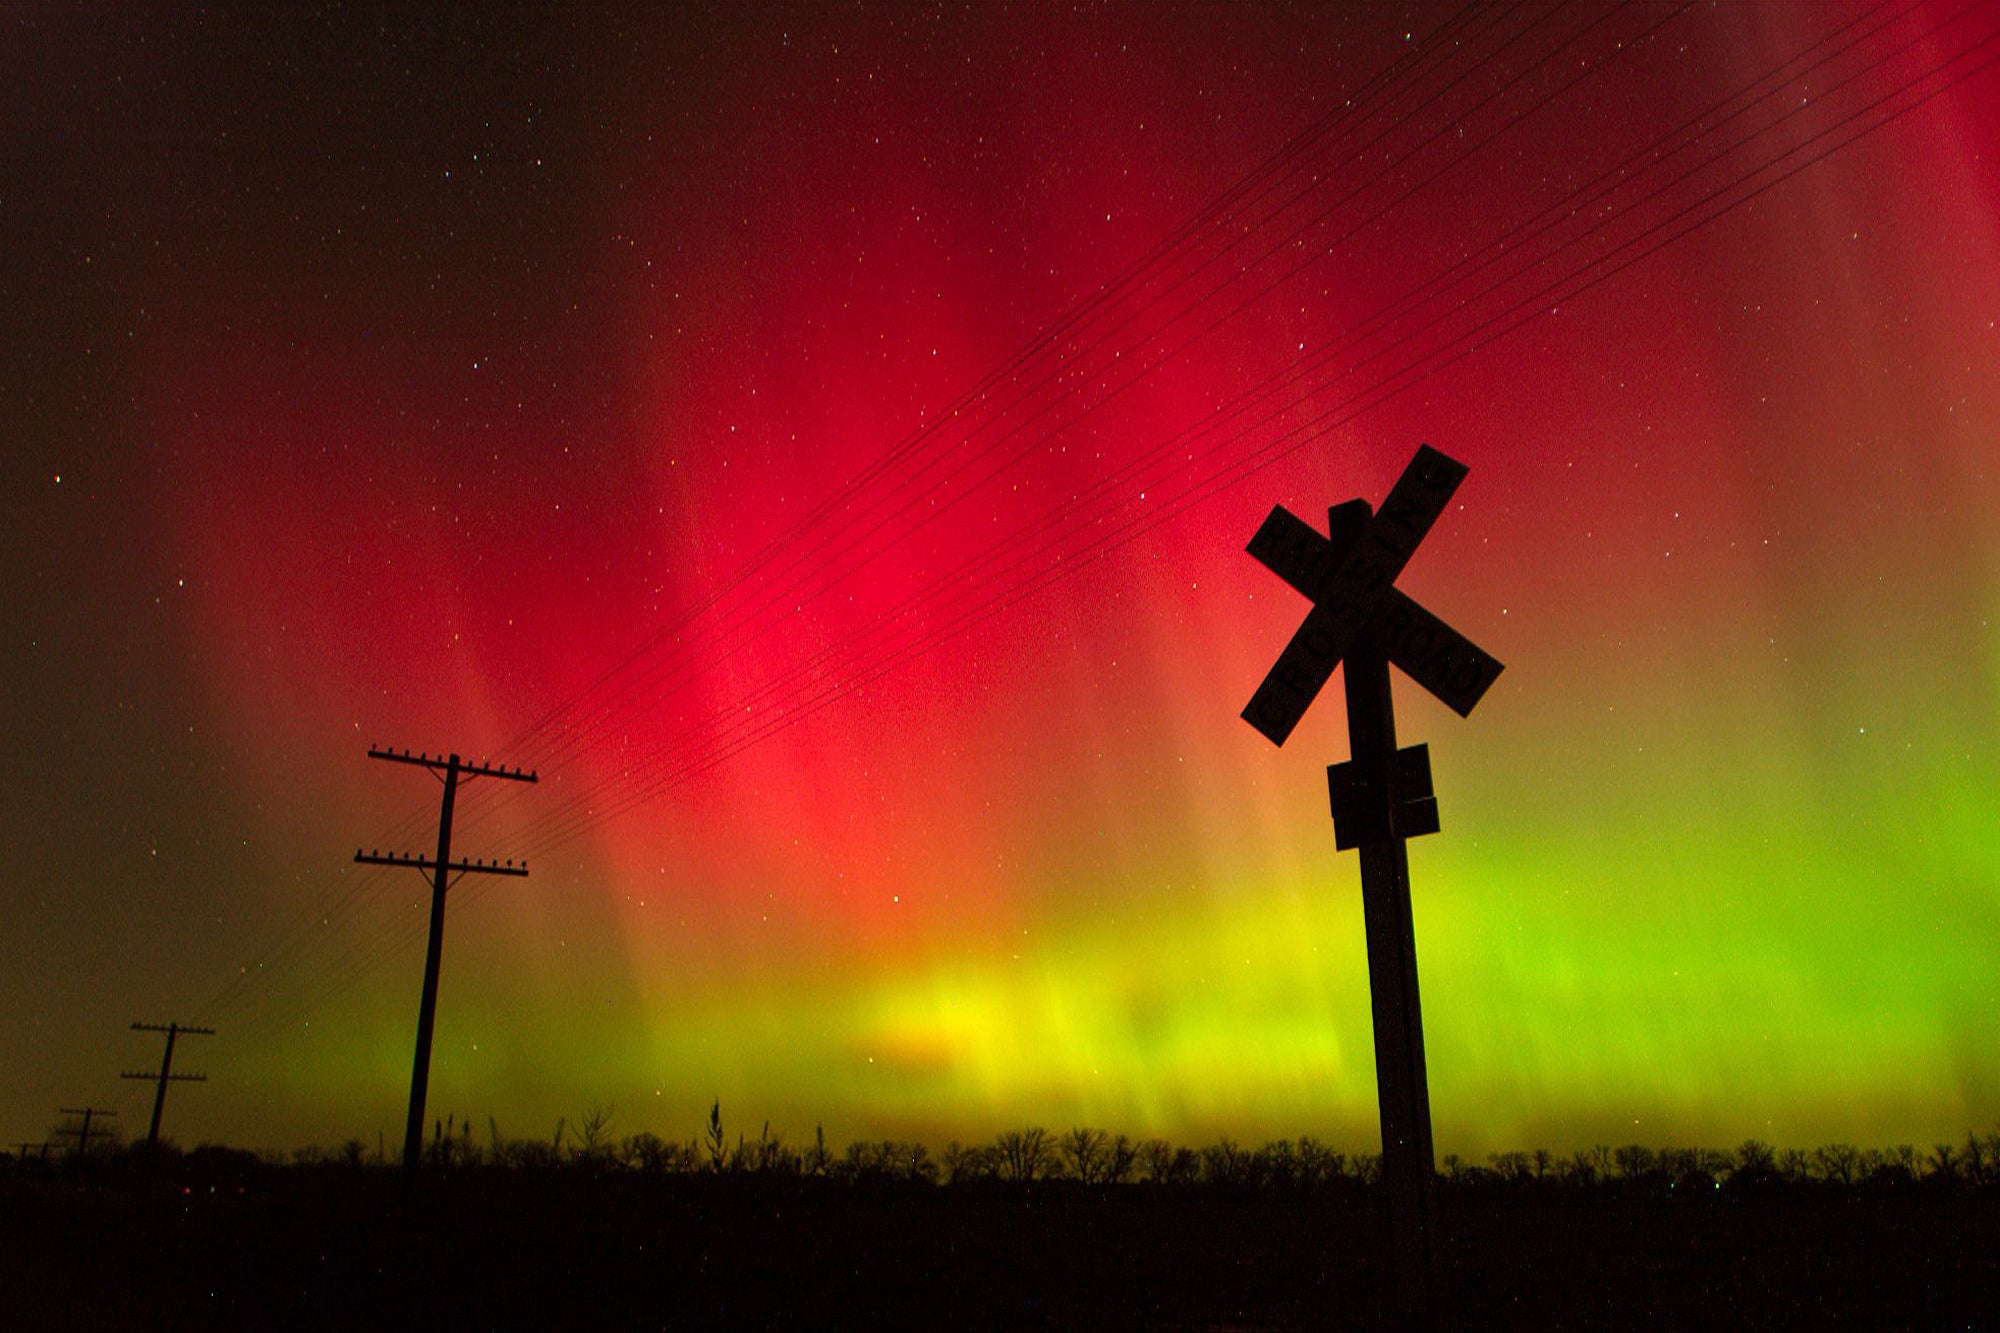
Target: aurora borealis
{"points": [[792, 432]]}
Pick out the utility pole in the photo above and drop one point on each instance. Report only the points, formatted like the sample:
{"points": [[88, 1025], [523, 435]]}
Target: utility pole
{"points": [[1382, 795], [166, 1074], [452, 771], [83, 1134]]}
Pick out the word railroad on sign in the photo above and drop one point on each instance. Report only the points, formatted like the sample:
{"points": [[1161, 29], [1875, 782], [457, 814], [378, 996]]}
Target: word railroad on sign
{"points": [[1382, 795]]}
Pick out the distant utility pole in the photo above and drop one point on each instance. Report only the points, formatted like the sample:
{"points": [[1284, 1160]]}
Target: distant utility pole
{"points": [[83, 1134], [442, 868], [166, 1074]]}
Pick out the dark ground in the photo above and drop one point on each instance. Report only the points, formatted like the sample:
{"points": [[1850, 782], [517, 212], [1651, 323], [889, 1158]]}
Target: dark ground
{"points": [[333, 1249]]}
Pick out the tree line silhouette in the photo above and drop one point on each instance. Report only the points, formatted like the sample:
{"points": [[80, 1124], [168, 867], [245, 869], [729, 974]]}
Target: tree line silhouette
{"points": [[1081, 1156]]}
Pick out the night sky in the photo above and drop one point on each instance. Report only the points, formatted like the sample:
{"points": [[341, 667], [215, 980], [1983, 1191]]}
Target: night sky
{"points": [[822, 442]]}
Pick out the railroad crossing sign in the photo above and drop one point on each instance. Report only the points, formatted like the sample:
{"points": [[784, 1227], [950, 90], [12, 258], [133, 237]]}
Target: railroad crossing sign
{"points": [[1350, 578], [1382, 795]]}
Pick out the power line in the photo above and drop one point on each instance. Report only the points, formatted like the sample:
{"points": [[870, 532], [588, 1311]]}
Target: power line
{"points": [[1367, 99], [934, 508], [1480, 334], [1391, 389], [1364, 102], [671, 767]]}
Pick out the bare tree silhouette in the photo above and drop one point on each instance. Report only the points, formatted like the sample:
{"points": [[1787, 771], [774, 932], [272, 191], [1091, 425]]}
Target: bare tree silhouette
{"points": [[1633, 1161], [593, 1131], [1083, 1152], [1023, 1154], [1975, 1161], [963, 1165], [1837, 1163], [1223, 1163], [1754, 1157], [1319, 1165]]}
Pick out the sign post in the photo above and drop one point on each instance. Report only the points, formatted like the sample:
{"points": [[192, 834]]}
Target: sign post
{"points": [[1382, 795]]}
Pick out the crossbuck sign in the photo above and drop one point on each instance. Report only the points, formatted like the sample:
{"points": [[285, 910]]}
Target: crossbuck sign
{"points": [[1352, 587]]}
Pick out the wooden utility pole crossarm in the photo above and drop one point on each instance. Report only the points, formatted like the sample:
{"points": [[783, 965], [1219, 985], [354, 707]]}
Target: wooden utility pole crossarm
{"points": [[89, 1113], [166, 1074], [440, 763], [442, 869], [426, 863]]}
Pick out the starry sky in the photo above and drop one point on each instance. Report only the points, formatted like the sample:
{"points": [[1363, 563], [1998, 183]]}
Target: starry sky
{"points": [[821, 442]]}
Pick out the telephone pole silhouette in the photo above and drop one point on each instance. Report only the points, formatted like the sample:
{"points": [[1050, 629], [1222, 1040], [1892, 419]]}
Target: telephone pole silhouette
{"points": [[452, 770], [166, 1074], [83, 1133]]}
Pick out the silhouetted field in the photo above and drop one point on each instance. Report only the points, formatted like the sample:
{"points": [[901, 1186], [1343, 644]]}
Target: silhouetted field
{"points": [[219, 1239]]}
